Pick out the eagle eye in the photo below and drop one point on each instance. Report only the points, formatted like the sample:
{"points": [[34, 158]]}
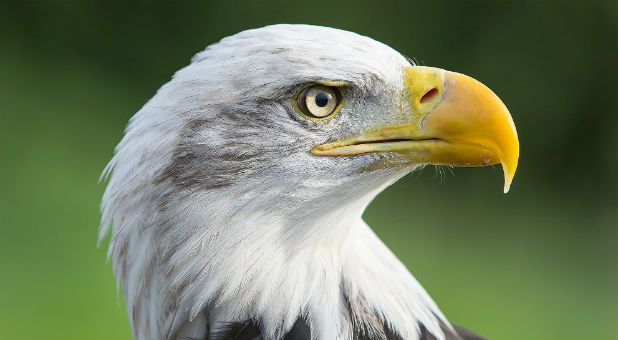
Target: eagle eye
{"points": [[318, 101]]}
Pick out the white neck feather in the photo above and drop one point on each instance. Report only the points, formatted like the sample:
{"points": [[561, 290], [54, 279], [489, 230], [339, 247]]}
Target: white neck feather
{"points": [[267, 267]]}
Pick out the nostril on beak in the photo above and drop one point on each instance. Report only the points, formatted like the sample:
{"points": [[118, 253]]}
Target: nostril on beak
{"points": [[429, 96]]}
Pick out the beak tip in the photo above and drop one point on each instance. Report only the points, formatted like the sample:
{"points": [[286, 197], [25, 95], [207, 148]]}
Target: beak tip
{"points": [[506, 188], [508, 179]]}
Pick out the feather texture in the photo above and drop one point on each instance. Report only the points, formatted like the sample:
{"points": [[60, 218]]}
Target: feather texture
{"points": [[219, 214]]}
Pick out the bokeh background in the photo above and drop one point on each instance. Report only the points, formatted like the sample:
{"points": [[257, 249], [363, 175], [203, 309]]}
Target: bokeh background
{"points": [[538, 263]]}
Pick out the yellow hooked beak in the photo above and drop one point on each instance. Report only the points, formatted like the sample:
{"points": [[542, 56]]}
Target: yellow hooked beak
{"points": [[453, 120]]}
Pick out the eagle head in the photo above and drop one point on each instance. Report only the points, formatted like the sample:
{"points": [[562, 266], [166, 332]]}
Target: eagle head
{"points": [[236, 194]]}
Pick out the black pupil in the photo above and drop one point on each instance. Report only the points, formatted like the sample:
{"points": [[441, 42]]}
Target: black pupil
{"points": [[322, 98]]}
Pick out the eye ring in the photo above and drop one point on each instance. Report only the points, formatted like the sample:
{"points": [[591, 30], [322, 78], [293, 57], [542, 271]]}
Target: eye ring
{"points": [[317, 101]]}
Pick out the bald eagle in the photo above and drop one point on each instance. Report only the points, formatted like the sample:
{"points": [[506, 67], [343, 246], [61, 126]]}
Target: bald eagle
{"points": [[235, 197]]}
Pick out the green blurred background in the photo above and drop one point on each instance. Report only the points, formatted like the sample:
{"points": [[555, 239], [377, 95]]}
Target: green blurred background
{"points": [[538, 263]]}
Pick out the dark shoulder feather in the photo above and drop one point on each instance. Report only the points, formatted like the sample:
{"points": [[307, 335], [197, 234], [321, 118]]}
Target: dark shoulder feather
{"points": [[246, 330], [249, 330], [457, 333]]}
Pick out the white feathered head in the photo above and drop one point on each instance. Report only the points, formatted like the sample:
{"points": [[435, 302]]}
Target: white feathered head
{"points": [[237, 191]]}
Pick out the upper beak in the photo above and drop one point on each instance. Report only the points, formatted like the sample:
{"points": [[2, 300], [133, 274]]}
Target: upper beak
{"points": [[454, 120]]}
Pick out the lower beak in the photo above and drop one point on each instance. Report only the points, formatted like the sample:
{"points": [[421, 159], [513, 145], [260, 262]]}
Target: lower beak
{"points": [[455, 121]]}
